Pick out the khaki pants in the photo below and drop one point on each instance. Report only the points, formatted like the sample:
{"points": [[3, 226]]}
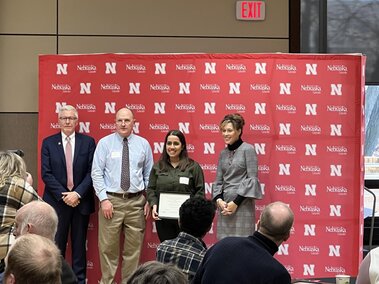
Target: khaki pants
{"points": [[128, 217]]}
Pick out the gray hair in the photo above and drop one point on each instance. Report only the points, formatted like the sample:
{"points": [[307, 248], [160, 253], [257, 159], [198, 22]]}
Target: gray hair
{"points": [[68, 108]]}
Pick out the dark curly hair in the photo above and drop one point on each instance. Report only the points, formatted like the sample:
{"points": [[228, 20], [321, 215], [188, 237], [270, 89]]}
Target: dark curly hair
{"points": [[196, 215]]}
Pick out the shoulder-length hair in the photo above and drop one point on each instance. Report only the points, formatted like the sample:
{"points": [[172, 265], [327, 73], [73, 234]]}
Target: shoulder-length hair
{"points": [[184, 160], [11, 165]]}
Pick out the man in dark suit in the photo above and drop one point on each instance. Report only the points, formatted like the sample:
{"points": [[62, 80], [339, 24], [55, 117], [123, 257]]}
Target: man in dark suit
{"points": [[66, 161]]}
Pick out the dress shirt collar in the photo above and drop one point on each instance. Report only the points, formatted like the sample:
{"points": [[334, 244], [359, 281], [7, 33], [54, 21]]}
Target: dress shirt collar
{"points": [[64, 136]]}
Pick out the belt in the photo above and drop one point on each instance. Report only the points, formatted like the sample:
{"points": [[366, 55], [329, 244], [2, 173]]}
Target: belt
{"points": [[126, 195]]}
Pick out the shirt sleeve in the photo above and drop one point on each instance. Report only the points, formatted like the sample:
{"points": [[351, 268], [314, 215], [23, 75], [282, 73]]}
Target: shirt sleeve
{"points": [[250, 186], [198, 177], [217, 185], [97, 172], [152, 196]]}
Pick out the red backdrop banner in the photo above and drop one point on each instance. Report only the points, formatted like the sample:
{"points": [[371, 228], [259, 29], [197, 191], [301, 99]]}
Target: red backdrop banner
{"points": [[303, 115]]}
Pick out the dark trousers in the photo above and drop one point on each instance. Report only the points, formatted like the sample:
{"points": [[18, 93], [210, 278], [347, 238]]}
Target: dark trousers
{"points": [[167, 229], [71, 220]]}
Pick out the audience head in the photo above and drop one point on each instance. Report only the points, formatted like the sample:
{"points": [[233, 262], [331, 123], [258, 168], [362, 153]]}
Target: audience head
{"points": [[36, 217], [11, 165], [154, 272], [196, 216], [124, 122], [68, 119], [276, 222], [33, 259]]}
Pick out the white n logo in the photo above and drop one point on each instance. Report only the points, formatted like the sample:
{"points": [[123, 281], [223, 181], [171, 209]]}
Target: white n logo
{"points": [[209, 148], [260, 68], [85, 88], [160, 68], [260, 148], [184, 127], [84, 127], [310, 189], [309, 230], [58, 106], [110, 107], [335, 170], [311, 69], [334, 250], [159, 108], [134, 88], [208, 188], [184, 88], [336, 89], [260, 108], [61, 69], [284, 169], [283, 249], [310, 109], [136, 127], [309, 270], [210, 108], [110, 68], [310, 149], [285, 88], [284, 129], [263, 186], [335, 210], [234, 88], [158, 147], [210, 67], [336, 130]]}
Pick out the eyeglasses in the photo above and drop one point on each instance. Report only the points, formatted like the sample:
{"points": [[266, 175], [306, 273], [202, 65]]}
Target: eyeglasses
{"points": [[70, 118], [121, 121]]}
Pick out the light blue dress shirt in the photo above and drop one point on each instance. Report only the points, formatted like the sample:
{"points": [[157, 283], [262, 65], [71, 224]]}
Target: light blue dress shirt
{"points": [[107, 160]]}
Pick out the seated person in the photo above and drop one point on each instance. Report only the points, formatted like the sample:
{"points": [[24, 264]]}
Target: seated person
{"points": [[154, 272], [369, 269], [40, 218], [187, 250], [33, 259], [246, 260]]}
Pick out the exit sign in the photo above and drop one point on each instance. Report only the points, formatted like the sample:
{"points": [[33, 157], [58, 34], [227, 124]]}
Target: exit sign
{"points": [[250, 10]]}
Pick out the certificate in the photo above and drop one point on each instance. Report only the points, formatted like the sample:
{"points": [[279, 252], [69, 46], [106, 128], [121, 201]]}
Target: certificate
{"points": [[169, 204]]}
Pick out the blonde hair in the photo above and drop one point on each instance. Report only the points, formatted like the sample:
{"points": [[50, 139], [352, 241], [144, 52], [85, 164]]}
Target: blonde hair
{"points": [[11, 166]]}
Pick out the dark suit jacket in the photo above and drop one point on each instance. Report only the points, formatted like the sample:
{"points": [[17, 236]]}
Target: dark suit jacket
{"points": [[53, 170]]}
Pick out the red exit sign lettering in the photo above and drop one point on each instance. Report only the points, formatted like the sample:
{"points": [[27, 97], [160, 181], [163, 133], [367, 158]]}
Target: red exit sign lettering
{"points": [[250, 10]]}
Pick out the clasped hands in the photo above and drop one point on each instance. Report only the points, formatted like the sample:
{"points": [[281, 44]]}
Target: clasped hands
{"points": [[227, 208], [71, 198]]}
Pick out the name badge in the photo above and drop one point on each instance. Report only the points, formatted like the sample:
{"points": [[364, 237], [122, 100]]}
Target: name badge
{"points": [[115, 155], [184, 180]]}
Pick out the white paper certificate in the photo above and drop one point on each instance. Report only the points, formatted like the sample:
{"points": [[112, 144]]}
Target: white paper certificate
{"points": [[169, 204]]}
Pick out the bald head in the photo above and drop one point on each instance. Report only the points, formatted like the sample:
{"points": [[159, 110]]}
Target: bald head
{"points": [[276, 221], [124, 122], [36, 217]]}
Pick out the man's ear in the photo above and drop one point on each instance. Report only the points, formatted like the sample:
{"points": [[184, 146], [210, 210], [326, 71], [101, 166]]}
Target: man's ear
{"points": [[10, 279]]}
